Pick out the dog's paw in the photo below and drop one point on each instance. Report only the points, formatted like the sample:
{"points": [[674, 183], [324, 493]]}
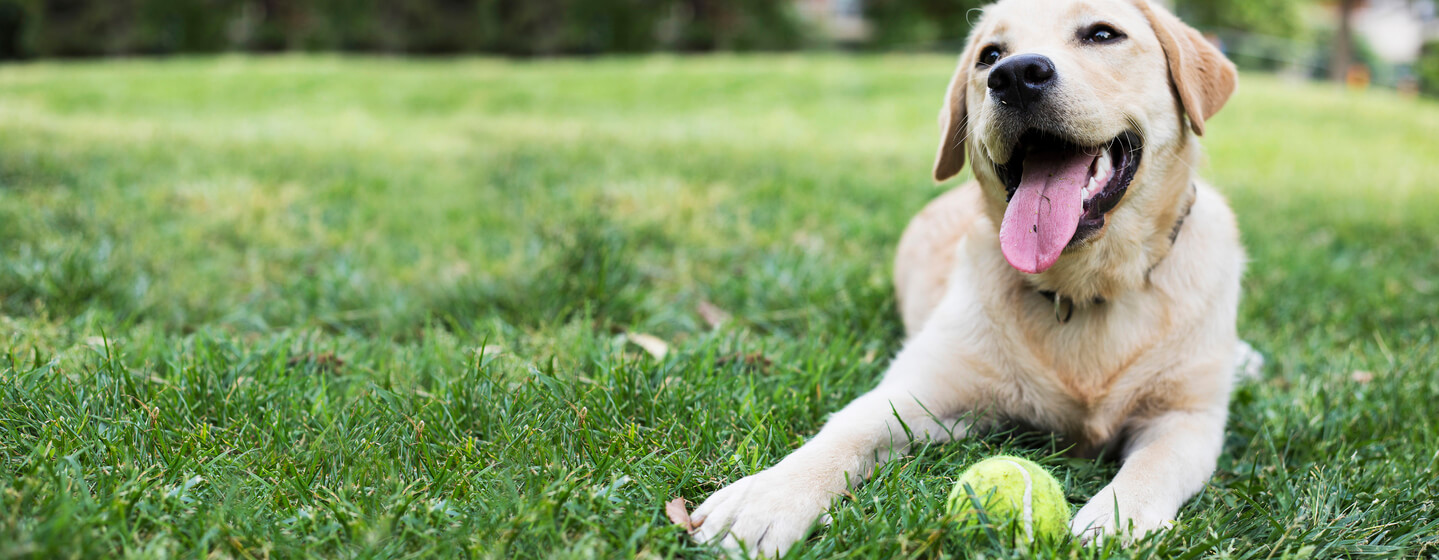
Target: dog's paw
{"points": [[1126, 519], [767, 513]]}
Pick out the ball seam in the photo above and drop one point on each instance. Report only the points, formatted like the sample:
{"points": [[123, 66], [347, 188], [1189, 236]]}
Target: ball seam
{"points": [[1027, 509]]}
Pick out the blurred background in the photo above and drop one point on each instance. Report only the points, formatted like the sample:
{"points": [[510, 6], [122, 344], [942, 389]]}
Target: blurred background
{"points": [[1389, 43]]}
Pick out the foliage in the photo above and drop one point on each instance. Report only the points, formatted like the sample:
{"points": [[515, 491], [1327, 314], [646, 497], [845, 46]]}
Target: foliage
{"points": [[919, 24], [1381, 72], [1278, 18], [1427, 68], [16, 29], [517, 27], [337, 307]]}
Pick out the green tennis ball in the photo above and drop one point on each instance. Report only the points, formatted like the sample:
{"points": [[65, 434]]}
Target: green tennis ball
{"points": [[1013, 494]]}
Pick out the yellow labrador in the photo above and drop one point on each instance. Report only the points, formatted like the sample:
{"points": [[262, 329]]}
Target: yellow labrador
{"points": [[1086, 282]]}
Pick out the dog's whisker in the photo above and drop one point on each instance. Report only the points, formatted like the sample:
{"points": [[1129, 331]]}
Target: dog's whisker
{"points": [[970, 12], [1133, 148], [963, 125], [1134, 124]]}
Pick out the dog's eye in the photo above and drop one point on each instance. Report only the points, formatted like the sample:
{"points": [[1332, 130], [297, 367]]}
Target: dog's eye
{"points": [[989, 56], [1101, 33]]}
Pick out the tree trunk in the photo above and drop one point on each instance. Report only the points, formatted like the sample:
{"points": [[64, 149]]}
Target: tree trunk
{"points": [[1343, 41]]}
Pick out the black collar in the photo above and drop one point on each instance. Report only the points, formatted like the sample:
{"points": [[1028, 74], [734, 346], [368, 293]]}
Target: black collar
{"points": [[1064, 306]]}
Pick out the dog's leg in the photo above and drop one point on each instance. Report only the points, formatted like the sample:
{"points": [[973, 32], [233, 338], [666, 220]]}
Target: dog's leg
{"points": [[919, 400], [1168, 460]]}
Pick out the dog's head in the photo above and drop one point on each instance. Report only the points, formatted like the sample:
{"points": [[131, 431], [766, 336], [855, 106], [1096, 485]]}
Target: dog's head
{"points": [[1075, 115]]}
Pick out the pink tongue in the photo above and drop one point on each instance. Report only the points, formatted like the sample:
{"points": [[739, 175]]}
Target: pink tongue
{"points": [[1045, 210]]}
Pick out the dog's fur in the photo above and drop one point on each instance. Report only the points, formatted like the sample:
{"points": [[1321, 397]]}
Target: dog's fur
{"points": [[1144, 363]]}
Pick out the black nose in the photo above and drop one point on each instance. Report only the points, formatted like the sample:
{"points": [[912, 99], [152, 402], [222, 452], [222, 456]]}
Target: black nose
{"points": [[1021, 80]]}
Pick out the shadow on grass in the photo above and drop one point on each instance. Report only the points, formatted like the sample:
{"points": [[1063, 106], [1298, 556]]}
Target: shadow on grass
{"points": [[40, 279], [588, 268]]}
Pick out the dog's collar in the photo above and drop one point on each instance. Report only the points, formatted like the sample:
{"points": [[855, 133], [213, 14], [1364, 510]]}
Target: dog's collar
{"points": [[1064, 305], [1178, 225]]}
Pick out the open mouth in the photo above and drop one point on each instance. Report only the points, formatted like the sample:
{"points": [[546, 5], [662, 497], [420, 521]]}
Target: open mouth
{"points": [[1059, 193]]}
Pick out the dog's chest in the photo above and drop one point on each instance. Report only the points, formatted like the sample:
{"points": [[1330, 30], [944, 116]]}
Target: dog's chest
{"points": [[1082, 377]]}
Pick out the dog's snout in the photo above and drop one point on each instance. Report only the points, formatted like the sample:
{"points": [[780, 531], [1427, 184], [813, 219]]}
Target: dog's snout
{"points": [[1020, 81]]}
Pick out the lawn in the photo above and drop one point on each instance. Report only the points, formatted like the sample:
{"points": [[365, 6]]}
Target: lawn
{"points": [[380, 307]]}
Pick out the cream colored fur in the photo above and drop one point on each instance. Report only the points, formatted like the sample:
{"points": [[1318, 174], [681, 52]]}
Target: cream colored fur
{"points": [[1148, 371]]}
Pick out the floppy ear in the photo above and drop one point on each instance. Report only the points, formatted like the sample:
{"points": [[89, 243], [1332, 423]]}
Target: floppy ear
{"points": [[1201, 75], [954, 117]]}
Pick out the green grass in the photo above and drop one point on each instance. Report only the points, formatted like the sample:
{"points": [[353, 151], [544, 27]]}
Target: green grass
{"points": [[373, 307]]}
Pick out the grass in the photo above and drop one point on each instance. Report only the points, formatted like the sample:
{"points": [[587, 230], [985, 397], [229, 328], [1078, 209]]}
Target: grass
{"points": [[371, 307]]}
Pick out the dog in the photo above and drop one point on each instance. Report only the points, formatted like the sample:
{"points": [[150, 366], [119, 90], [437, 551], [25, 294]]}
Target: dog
{"points": [[1085, 283]]}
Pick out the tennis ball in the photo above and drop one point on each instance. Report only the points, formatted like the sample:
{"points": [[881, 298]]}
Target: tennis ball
{"points": [[1012, 492]]}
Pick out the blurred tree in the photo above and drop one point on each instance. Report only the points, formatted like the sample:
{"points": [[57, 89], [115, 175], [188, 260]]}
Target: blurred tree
{"points": [[759, 25], [1345, 49], [540, 27], [1342, 59], [515, 27], [346, 25], [431, 26], [1427, 68], [920, 23], [82, 27], [1278, 18], [15, 19], [615, 25], [171, 26]]}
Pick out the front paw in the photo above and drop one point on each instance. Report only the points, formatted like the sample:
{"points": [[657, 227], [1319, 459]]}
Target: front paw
{"points": [[1126, 517], [767, 512]]}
